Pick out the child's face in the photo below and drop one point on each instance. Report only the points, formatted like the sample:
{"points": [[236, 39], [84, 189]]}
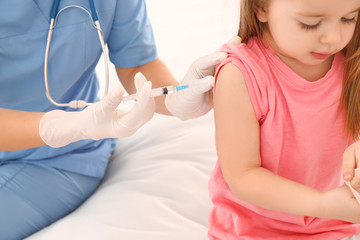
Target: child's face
{"points": [[309, 31]]}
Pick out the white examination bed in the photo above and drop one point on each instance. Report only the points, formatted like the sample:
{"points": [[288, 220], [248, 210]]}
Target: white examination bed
{"points": [[155, 187], [156, 183]]}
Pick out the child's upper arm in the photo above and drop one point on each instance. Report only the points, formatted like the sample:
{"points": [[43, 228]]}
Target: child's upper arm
{"points": [[236, 124]]}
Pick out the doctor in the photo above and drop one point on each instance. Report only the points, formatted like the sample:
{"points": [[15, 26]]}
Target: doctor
{"points": [[53, 158]]}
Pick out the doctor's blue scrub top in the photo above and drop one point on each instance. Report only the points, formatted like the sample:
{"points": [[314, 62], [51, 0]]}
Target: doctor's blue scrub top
{"points": [[74, 52]]}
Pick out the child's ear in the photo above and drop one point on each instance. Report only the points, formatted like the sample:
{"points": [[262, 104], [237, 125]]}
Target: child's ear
{"points": [[261, 10]]}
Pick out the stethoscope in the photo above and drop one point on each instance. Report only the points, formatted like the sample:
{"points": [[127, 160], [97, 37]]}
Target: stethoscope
{"points": [[53, 18]]}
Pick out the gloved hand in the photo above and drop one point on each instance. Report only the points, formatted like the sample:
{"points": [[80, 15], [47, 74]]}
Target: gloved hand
{"points": [[99, 120], [194, 101]]}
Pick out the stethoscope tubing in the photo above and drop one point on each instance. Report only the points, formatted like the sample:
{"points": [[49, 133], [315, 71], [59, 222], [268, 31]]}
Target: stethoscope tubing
{"points": [[53, 18], [55, 8]]}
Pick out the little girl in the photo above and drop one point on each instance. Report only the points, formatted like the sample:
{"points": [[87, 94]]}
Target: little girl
{"points": [[287, 108]]}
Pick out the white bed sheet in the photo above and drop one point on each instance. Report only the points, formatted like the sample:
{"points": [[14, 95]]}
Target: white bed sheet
{"points": [[155, 187], [156, 183]]}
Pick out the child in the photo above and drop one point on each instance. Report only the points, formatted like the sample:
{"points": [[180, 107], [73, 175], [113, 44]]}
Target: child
{"points": [[287, 107]]}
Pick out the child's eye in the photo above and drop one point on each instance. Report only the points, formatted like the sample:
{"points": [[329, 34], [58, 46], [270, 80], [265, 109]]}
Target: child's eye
{"points": [[309, 27], [348, 20]]}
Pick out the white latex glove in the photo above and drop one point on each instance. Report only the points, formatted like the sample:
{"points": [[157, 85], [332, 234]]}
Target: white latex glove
{"points": [[194, 102], [99, 120]]}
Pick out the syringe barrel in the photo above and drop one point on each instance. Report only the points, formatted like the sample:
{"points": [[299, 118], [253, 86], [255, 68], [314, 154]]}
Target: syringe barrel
{"points": [[154, 93]]}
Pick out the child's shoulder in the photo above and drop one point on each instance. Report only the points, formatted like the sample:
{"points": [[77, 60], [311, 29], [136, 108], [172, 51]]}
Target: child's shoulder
{"points": [[251, 57], [252, 50]]}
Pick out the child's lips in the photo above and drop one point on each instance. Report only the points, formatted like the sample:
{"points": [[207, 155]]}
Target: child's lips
{"points": [[321, 55]]}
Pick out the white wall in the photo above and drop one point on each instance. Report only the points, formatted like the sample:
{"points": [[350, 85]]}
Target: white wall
{"points": [[187, 29]]}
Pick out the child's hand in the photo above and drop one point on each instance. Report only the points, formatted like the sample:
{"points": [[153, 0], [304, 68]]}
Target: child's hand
{"points": [[340, 203], [351, 159]]}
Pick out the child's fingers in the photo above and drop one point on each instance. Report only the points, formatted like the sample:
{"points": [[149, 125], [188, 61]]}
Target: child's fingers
{"points": [[355, 182], [349, 164]]}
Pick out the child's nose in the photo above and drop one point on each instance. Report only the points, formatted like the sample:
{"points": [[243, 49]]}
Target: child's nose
{"points": [[332, 35]]}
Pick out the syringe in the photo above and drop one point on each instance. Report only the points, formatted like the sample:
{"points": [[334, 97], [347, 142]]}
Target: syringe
{"points": [[158, 92]]}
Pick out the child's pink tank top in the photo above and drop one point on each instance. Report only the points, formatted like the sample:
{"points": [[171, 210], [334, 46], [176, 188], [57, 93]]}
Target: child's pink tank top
{"points": [[302, 139]]}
